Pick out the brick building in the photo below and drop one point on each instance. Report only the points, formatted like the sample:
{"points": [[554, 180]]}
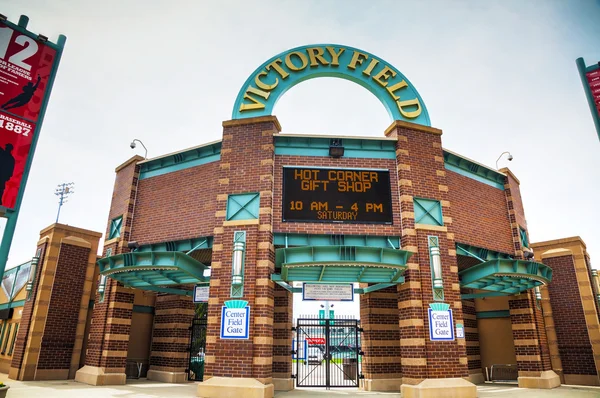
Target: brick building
{"points": [[420, 230]]}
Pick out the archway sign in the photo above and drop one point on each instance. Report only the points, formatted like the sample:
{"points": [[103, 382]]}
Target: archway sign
{"points": [[272, 79]]}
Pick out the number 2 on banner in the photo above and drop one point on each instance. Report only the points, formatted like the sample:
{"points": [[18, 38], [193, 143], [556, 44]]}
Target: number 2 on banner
{"points": [[30, 49]]}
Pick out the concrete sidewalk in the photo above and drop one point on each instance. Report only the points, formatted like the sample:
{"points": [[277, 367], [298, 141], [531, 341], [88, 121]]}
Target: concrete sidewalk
{"points": [[148, 389]]}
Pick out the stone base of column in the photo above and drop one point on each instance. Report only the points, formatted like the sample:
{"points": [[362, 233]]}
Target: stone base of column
{"points": [[382, 384], [96, 376], [234, 387], [283, 384], [582, 380], [440, 388], [166, 376], [547, 379], [476, 377]]}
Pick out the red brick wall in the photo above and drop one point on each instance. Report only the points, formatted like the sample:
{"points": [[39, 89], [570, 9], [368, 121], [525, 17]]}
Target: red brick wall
{"points": [[479, 207], [175, 206], [23, 333], [122, 192], [331, 228], [63, 310], [569, 318]]}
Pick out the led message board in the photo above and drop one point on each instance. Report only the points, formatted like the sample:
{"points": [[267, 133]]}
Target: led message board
{"points": [[336, 195]]}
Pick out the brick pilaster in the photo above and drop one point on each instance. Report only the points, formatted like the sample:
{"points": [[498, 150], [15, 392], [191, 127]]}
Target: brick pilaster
{"points": [[472, 338], [380, 339], [247, 160], [282, 332], [171, 335], [575, 326], [421, 173]]}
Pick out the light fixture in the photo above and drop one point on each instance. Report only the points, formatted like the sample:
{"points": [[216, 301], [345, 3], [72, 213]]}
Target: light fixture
{"points": [[32, 271], [336, 148], [538, 293], [133, 245], [510, 158], [133, 145], [237, 264], [436, 259]]}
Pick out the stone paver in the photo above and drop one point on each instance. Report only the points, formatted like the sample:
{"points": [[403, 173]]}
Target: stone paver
{"points": [[149, 389]]}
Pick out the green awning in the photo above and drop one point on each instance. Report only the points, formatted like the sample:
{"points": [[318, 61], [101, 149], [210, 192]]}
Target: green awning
{"points": [[505, 276], [341, 264], [153, 270]]}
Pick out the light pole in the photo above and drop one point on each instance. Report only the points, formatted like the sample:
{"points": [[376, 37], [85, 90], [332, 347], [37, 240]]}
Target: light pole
{"points": [[63, 191], [510, 158]]}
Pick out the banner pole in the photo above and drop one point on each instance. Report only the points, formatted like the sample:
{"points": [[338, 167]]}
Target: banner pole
{"points": [[13, 215]]}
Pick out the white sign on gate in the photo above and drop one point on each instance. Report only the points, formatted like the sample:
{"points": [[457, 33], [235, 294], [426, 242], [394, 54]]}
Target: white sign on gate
{"points": [[235, 323], [328, 292], [441, 325], [200, 294]]}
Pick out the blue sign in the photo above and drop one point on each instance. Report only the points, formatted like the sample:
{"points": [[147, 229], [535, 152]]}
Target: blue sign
{"points": [[272, 79], [441, 325], [235, 320], [299, 349]]}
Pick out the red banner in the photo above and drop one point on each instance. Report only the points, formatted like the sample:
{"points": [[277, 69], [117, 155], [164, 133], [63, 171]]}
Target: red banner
{"points": [[593, 79], [25, 67], [315, 340]]}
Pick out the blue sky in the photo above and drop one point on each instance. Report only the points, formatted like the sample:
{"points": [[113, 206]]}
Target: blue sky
{"points": [[495, 76]]}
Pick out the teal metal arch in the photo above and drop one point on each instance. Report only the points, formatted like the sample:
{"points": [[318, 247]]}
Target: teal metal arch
{"points": [[272, 79]]}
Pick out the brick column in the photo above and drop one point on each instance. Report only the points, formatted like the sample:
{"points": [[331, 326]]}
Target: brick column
{"points": [[111, 320], [472, 340], [533, 354], [49, 342], [171, 338], [282, 339], [246, 166], [531, 345], [575, 326], [421, 173], [381, 340]]}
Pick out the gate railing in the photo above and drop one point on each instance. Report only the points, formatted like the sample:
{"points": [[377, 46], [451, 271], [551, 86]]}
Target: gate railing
{"points": [[195, 368], [326, 352]]}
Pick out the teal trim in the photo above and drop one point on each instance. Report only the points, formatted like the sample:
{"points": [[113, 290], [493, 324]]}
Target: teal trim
{"points": [[428, 211], [277, 80], [524, 239], [287, 240], [12, 304], [480, 253], [470, 169], [13, 215], [588, 93], [186, 159], [143, 309], [341, 264], [505, 276], [319, 146], [115, 227], [493, 314], [91, 304], [184, 245], [243, 206]]}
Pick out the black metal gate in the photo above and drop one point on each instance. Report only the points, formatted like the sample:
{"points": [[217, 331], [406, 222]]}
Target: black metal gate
{"points": [[195, 369], [326, 352]]}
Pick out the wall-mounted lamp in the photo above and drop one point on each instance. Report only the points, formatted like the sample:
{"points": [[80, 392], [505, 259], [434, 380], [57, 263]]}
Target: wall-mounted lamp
{"points": [[436, 268], [538, 293], [336, 148], [237, 264], [32, 271], [133, 245]]}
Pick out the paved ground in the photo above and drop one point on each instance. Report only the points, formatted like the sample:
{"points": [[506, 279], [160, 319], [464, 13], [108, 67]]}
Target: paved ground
{"points": [[146, 389]]}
